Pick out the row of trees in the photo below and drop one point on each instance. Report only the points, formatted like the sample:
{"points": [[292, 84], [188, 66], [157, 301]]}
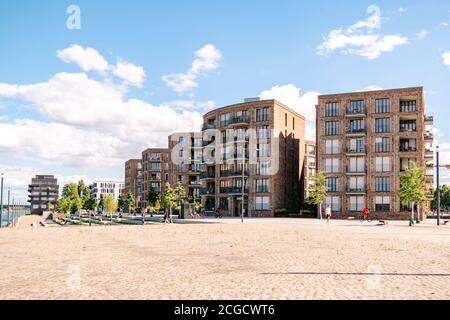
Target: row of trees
{"points": [[412, 189]]}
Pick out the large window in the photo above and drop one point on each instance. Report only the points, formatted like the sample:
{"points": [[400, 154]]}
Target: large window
{"points": [[155, 166], [382, 105], [332, 165], [263, 150], [331, 146], [406, 163], [382, 125], [408, 106], [332, 184], [356, 203], [262, 114], [224, 119], [332, 109], [382, 164], [383, 204], [356, 146], [383, 144], [382, 184], [356, 184], [356, 126], [332, 128], [408, 125], [334, 203], [262, 168], [262, 185], [262, 203], [262, 132], [356, 107], [357, 165]]}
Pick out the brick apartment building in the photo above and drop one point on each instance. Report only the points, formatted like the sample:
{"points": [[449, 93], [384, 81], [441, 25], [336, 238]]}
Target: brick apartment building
{"points": [[155, 172], [133, 178], [43, 193], [256, 146], [309, 166], [366, 141]]}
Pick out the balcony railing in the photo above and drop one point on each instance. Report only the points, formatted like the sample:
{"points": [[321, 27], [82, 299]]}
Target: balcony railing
{"points": [[407, 149], [362, 189], [207, 175], [356, 131], [208, 126], [240, 120], [428, 118], [262, 189], [211, 143], [236, 190], [356, 150], [356, 111], [207, 192], [429, 136], [356, 170], [231, 173], [404, 128]]}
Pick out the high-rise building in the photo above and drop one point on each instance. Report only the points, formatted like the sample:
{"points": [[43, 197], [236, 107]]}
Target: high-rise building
{"points": [[155, 172], [253, 153], [43, 193], [366, 141], [102, 189]]}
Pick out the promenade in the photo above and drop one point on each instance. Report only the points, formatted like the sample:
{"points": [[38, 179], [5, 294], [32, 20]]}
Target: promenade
{"points": [[224, 259]]}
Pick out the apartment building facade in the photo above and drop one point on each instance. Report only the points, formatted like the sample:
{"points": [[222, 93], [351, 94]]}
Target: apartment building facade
{"points": [[252, 154], [185, 164], [309, 166], [367, 140], [155, 172], [133, 178], [43, 194], [100, 189]]}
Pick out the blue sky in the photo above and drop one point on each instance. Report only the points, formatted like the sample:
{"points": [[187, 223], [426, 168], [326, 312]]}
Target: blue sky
{"points": [[251, 48]]}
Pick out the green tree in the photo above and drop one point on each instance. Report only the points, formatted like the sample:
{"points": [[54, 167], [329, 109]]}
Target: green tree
{"points": [[412, 188], [129, 202], [444, 191], [121, 203], [152, 196], [64, 205], [70, 199], [318, 191], [90, 204], [110, 205], [169, 198], [84, 192]]}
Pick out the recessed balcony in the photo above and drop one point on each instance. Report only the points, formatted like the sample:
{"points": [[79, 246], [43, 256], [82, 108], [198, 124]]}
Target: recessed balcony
{"points": [[356, 189], [356, 151], [209, 126], [356, 171], [233, 173], [239, 121], [356, 132], [233, 190], [207, 192], [356, 112]]}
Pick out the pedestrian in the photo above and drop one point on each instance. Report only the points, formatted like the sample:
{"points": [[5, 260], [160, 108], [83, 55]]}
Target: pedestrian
{"points": [[166, 214], [328, 213], [143, 217]]}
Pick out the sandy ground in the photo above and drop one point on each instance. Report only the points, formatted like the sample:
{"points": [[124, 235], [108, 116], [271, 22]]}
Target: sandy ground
{"points": [[260, 259]]}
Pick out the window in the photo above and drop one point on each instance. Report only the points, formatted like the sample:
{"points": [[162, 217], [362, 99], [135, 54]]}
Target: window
{"points": [[382, 204], [407, 125], [181, 167], [262, 168], [408, 106], [356, 126], [262, 203], [155, 166], [356, 146], [356, 203], [332, 109], [332, 165], [356, 107], [332, 184], [382, 144], [382, 125], [334, 203], [408, 145], [332, 146], [382, 105], [382, 184], [332, 128], [262, 132], [356, 184], [357, 165], [262, 114], [382, 164], [406, 163], [224, 119], [262, 185], [263, 150]]}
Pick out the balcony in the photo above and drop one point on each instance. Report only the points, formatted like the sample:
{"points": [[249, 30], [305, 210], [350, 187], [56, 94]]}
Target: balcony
{"points": [[239, 121], [356, 112], [211, 143], [195, 183], [356, 190], [262, 189], [355, 132], [406, 148], [428, 119], [355, 151], [207, 192], [209, 126], [429, 153], [233, 190], [356, 171], [233, 173], [207, 176], [428, 136]]}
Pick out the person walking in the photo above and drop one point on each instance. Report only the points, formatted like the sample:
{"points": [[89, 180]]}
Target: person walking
{"points": [[143, 217], [166, 214], [328, 213]]}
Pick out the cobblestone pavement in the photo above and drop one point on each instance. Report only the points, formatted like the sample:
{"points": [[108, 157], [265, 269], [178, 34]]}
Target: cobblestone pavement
{"points": [[260, 259]]}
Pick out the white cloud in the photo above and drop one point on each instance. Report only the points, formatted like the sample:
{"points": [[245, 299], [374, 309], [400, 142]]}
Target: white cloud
{"points": [[304, 104], [130, 73], [372, 88], [359, 39], [443, 24], [446, 58], [402, 9], [207, 59], [422, 34], [87, 59]]}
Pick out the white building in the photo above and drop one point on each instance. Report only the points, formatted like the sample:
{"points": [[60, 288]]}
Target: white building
{"points": [[101, 189]]}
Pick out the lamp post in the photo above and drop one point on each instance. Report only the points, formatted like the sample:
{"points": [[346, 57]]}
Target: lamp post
{"points": [[243, 183], [437, 188], [9, 210]]}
